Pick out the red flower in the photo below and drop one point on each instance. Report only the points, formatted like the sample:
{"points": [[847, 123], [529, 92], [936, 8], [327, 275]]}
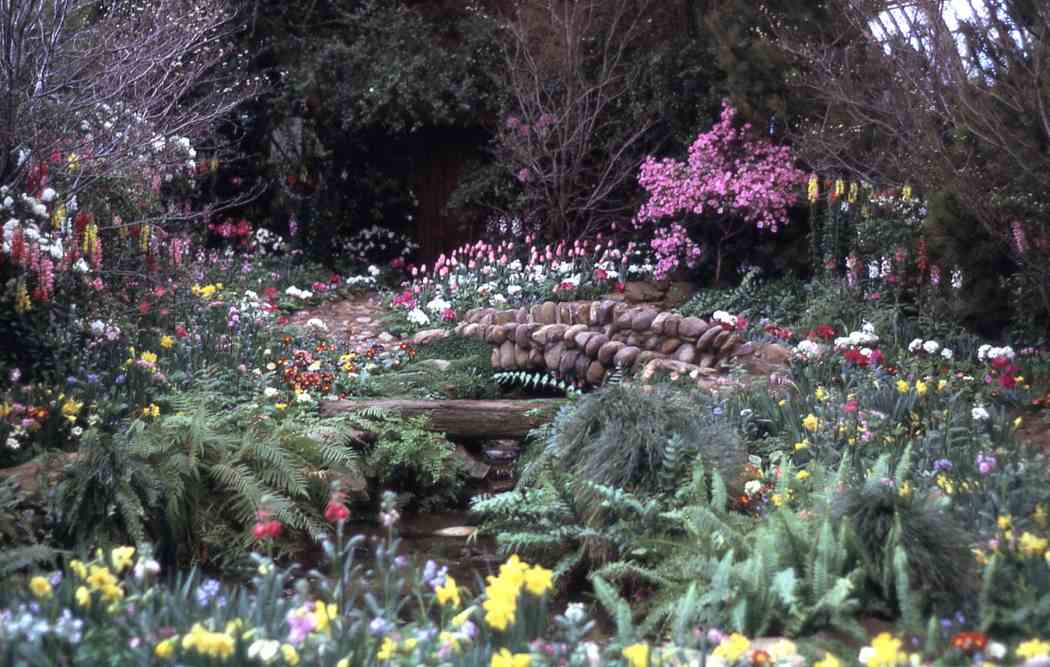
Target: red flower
{"points": [[970, 642], [336, 511], [144, 308], [620, 287], [180, 331], [823, 331], [282, 320], [270, 293], [601, 274], [335, 279], [265, 527]]}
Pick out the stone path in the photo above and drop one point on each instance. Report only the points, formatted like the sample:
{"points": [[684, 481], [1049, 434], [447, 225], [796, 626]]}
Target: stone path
{"points": [[356, 321]]}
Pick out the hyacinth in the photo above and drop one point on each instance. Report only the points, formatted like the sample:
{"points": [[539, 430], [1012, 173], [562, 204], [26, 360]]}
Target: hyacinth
{"points": [[727, 174]]}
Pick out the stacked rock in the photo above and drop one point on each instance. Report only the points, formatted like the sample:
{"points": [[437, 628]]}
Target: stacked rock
{"points": [[587, 339]]}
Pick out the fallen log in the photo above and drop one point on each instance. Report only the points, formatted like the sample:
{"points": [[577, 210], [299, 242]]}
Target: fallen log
{"points": [[463, 418]]}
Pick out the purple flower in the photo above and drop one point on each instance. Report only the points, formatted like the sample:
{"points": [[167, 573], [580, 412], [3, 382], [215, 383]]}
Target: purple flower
{"points": [[942, 465], [986, 463]]}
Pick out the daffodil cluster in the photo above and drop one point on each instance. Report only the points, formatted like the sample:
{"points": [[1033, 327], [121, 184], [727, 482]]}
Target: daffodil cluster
{"points": [[502, 591]]}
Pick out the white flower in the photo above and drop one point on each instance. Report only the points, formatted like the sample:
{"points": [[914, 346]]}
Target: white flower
{"points": [[8, 202], [865, 351], [979, 413], [753, 487], [915, 345], [47, 195], [996, 650], [81, 266], [724, 317], [565, 267], [98, 327], [931, 346], [270, 392], [866, 655], [438, 305], [12, 443], [56, 250], [513, 289], [982, 351], [373, 270], [315, 323], [40, 210], [809, 349], [868, 328], [417, 316], [304, 398], [264, 649], [946, 353], [498, 299], [77, 431], [515, 265]]}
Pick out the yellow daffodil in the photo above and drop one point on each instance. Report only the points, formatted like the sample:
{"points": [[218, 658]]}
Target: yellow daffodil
{"points": [[165, 649], [1032, 649], [41, 588], [637, 654], [121, 558], [538, 580], [903, 387], [167, 342], [387, 649], [884, 651], [800, 446], [820, 394], [1005, 522], [83, 596], [828, 661], [507, 659], [448, 593], [921, 388], [291, 656], [811, 423], [802, 475], [1031, 545], [732, 648]]}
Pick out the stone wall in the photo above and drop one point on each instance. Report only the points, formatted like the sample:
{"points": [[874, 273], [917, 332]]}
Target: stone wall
{"points": [[587, 339]]}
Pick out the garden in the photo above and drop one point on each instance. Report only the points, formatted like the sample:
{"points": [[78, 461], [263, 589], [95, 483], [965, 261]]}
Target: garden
{"points": [[623, 333]]}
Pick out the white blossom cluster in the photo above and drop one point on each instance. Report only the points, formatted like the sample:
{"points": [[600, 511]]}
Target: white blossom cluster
{"points": [[863, 338], [930, 347], [989, 353]]}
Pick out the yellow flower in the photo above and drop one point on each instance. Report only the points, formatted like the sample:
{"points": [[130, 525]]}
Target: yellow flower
{"points": [[449, 640], [506, 659], [291, 656], [777, 499], [980, 556], [813, 189], [83, 597], [1039, 515], [70, 409], [538, 580], [802, 475], [212, 644], [903, 386], [149, 357], [828, 661], [921, 388], [905, 490], [121, 558], [732, 648], [946, 484], [78, 568], [783, 650], [165, 649], [41, 587], [1005, 522], [387, 649], [885, 651], [345, 662], [811, 423], [840, 187], [151, 410], [1033, 648], [799, 446], [853, 191], [167, 342], [941, 384], [1018, 422], [462, 617], [781, 403], [637, 654], [820, 394], [323, 615], [499, 611], [906, 193], [280, 406], [72, 161], [448, 593], [1030, 545]]}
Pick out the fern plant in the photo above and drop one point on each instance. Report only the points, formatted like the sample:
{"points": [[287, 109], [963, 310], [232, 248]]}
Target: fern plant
{"points": [[535, 381]]}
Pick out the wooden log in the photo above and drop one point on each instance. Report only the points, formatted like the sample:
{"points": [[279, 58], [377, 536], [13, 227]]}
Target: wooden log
{"points": [[463, 418]]}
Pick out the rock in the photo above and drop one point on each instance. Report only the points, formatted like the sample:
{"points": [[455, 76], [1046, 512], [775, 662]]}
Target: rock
{"points": [[523, 335], [595, 374], [565, 314], [734, 341], [594, 343], [658, 322], [707, 360], [521, 357], [456, 531], [363, 320], [669, 365], [549, 334], [678, 293], [494, 359], [385, 337], [581, 312], [743, 350], [552, 357], [652, 341], [506, 316], [692, 327], [488, 317], [475, 469], [506, 354], [643, 319], [704, 343], [623, 318], [428, 336], [639, 291], [580, 340], [720, 340], [606, 311], [671, 326], [496, 335], [548, 313], [608, 352], [636, 339], [645, 356], [626, 356], [536, 360], [437, 364], [471, 330], [686, 353], [572, 332], [568, 362], [669, 345], [581, 365]]}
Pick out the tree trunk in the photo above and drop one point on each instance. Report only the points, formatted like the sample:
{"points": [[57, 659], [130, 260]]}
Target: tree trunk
{"points": [[463, 419]]}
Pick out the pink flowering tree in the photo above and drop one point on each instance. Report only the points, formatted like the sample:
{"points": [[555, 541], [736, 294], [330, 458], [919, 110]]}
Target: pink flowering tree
{"points": [[731, 181]]}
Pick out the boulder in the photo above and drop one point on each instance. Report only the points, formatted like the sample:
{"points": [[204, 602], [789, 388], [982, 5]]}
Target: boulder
{"points": [[608, 352], [594, 343], [552, 357], [523, 334], [669, 345], [671, 325], [643, 291], [428, 336], [549, 334], [595, 374], [704, 342], [658, 322], [548, 313], [686, 353], [506, 355], [582, 363], [568, 362], [643, 319], [572, 332], [692, 327], [626, 356]]}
